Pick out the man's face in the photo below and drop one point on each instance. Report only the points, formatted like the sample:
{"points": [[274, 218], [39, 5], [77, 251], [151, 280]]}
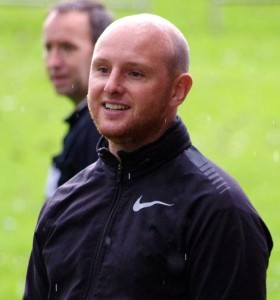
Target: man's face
{"points": [[129, 87], [68, 50]]}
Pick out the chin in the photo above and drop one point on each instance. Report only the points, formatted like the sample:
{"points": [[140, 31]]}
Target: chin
{"points": [[113, 135], [63, 92]]}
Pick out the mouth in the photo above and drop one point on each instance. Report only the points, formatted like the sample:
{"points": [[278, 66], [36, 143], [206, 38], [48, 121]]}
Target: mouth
{"points": [[59, 78], [116, 107]]}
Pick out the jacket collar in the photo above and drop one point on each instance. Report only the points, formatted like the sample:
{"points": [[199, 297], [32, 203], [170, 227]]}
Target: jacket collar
{"points": [[170, 144], [81, 109]]}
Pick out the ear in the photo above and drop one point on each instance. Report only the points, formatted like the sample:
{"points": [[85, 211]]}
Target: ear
{"points": [[181, 87]]}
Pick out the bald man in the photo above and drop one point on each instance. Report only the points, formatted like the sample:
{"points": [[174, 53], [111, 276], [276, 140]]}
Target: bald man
{"points": [[153, 218]]}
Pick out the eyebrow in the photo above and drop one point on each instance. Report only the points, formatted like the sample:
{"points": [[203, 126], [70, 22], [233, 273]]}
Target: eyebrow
{"points": [[129, 63]]}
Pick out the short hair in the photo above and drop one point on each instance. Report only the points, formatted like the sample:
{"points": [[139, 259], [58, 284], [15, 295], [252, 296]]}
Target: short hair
{"points": [[99, 17]]}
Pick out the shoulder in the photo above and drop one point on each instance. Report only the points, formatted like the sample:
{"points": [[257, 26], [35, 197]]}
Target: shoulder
{"points": [[212, 187], [66, 196], [217, 198]]}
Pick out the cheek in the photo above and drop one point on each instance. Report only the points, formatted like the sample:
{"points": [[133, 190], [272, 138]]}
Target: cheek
{"points": [[91, 98], [92, 108], [83, 70], [82, 62], [153, 102], [94, 94]]}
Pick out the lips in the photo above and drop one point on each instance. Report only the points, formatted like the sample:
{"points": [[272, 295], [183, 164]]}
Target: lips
{"points": [[59, 79]]}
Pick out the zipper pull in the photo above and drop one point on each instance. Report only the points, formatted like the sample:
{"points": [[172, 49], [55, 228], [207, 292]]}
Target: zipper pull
{"points": [[119, 173]]}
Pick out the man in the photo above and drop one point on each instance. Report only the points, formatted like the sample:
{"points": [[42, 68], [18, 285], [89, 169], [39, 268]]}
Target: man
{"points": [[152, 218], [70, 32]]}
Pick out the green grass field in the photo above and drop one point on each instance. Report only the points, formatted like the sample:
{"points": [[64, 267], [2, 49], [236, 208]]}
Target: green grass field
{"points": [[232, 113]]}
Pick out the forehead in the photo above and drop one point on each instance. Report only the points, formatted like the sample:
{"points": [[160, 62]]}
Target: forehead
{"points": [[135, 42], [68, 25]]}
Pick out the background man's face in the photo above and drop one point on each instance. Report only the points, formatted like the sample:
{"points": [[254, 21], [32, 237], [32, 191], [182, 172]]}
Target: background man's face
{"points": [[68, 51]]}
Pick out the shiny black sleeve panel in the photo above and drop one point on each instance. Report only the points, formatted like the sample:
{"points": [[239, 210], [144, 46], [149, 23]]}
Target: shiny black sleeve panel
{"points": [[228, 243], [228, 257]]}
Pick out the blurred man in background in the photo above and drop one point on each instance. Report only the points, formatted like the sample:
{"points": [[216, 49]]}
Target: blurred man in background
{"points": [[70, 32]]}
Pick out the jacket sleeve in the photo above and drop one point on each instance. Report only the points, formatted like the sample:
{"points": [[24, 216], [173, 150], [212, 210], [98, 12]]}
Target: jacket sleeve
{"points": [[228, 257], [37, 282], [36, 285]]}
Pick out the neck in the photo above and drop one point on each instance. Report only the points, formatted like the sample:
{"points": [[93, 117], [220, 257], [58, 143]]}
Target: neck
{"points": [[114, 147], [130, 144], [81, 104]]}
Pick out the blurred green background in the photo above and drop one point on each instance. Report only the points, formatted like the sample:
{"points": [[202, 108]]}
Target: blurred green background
{"points": [[232, 113]]}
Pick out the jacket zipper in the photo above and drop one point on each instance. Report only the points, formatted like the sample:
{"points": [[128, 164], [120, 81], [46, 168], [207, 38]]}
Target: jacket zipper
{"points": [[98, 256]]}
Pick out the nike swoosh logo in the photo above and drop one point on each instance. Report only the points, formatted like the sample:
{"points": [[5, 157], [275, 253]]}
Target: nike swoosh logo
{"points": [[138, 206]]}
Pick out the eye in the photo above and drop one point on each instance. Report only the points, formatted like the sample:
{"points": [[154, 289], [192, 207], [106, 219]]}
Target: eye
{"points": [[135, 74], [67, 48], [47, 47], [103, 70]]}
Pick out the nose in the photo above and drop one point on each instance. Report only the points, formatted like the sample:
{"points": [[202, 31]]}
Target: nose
{"points": [[53, 59], [114, 84]]}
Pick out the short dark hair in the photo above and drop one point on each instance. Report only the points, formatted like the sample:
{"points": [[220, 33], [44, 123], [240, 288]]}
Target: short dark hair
{"points": [[99, 17]]}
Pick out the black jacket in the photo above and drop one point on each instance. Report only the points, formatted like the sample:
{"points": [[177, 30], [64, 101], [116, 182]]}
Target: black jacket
{"points": [[165, 223], [79, 149]]}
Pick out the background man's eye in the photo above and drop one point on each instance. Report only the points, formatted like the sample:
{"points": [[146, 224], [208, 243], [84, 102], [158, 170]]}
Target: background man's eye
{"points": [[67, 48], [136, 74], [48, 48]]}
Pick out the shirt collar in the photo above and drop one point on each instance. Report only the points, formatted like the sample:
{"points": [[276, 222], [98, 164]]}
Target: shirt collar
{"points": [[170, 144], [79, 110]]}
